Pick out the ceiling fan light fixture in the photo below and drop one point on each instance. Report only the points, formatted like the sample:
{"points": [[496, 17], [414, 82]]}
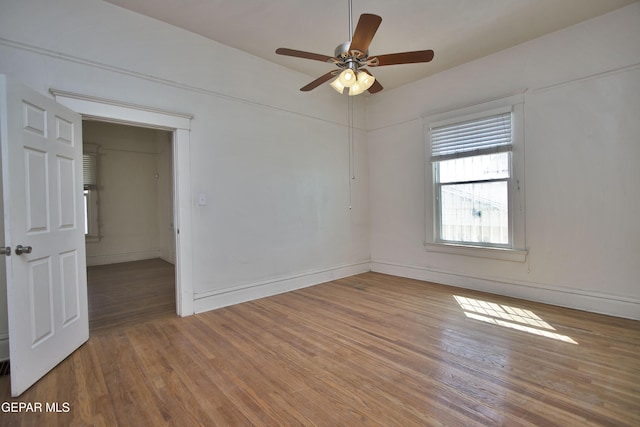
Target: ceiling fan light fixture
{"points": [[356, 89], [339, 87], [347, 78], [353, 54], [365, 80]]}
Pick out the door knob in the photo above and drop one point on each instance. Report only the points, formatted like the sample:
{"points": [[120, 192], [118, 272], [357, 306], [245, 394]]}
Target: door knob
{"points": [[5, 250], [23, 249]]}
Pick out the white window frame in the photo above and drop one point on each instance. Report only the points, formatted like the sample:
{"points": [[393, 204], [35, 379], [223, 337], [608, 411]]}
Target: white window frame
{"points": [[92, 196], [516, 251]]}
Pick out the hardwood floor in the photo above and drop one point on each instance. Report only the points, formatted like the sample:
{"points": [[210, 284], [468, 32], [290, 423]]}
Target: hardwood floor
{"points": [[366, 350], [129, 293]]}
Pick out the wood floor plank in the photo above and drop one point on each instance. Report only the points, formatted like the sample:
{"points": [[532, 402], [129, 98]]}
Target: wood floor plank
{"points": [[128, 293], [366, 350]]}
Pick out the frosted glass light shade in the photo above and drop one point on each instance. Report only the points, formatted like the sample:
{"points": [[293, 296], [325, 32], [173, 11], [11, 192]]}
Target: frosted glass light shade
{"points": [[364, 82], [347, 78], [356, 89], [365, 79], [359, 84], [337, 86]]}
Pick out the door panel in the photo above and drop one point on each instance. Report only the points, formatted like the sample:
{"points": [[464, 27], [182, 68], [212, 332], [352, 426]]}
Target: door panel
{"points": [[34, 119], [66, 186], [64, 131], [71, 287], [36, 190], [42, 198], [40, 301]]}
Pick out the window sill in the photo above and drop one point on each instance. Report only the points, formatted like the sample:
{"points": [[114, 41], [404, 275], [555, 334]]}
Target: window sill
{"points": [[513, 255]]}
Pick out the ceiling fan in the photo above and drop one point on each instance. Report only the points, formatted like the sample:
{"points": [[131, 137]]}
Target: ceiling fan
{"points": [[352, 56]]}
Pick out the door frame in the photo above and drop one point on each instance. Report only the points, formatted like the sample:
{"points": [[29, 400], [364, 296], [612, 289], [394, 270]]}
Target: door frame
{"points": [[179, 124]]}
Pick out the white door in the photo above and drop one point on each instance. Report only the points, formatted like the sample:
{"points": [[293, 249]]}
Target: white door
{"points": [[41, 149]]}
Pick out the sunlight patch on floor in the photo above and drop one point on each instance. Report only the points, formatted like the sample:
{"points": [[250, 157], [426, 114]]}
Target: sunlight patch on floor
{"points": [[509, 317]]}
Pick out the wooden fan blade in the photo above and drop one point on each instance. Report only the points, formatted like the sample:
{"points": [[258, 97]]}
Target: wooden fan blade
{"points": [[317, 82], [365, 30], [376, 86], [402, 58], [305, 55]]}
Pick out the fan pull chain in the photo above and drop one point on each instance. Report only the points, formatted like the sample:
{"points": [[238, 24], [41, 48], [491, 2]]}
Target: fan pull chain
{"points": [[352, 173]]}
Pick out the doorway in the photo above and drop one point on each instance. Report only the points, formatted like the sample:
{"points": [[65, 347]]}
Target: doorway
{"points": [[179, 124], [128, 192]]}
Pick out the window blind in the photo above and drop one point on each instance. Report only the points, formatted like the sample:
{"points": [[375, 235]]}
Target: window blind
{"points": [[486, 135], [89, 171]]}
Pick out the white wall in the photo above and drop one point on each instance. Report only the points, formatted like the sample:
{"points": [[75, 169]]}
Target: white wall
{"points": [[134, 207], [582, 146], [272, 161]]}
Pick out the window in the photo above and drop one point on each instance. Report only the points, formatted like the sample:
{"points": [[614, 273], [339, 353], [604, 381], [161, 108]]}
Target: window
{"points": [[472, 167], [90, 183], [476, 197]]}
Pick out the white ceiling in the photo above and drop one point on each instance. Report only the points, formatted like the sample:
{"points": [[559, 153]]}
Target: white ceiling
{"points": [[457, 30]]}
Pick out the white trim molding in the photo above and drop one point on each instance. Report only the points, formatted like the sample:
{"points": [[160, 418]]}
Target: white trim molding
{"points": [[101, 108], [595, 302], [212, 300], [502, 254]]}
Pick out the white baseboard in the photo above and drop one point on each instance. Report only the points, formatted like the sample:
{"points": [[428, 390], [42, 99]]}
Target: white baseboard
{"points": [[226, 297], [117, 258], [595, 302]]}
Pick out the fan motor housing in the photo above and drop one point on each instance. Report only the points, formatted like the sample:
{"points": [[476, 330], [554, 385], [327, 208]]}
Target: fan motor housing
{"points": [[342, 52]]}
